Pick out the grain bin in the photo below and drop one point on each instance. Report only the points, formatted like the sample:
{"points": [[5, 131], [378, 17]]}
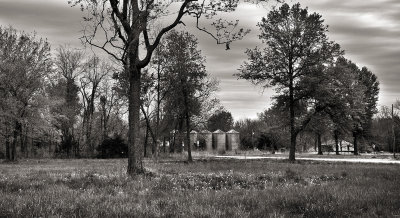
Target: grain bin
{"points": [[205, 138], [219, 141], [232, 140]]}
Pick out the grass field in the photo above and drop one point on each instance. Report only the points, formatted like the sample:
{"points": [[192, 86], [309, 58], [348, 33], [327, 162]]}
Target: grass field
{"points": [[206, 188]]}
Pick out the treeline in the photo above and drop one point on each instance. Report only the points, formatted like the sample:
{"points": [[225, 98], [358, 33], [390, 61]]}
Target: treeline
{"points": [[267, 132], [72, 104], [66, 103]]}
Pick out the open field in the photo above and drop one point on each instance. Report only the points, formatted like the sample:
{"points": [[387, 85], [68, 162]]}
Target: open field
{"points": [[206, 188]]}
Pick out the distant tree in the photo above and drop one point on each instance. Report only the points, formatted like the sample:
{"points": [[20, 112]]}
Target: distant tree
{"points": [[370, 96], [276, 120], [111, 106], [251, 132], [297, 49], [222, 120], [346, 93], [320, 124], [382, 129], [187, 70], [69, 65], [94, 71], [25, 65]]}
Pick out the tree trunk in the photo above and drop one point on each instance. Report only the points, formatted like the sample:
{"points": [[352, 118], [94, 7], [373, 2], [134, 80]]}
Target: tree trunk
{"points": [[17, 130], [22, 141], [293, 134], [172, 144], [189, 146], [336, 142], [178, 145], [7, 148], [315, 143], [146, 138], [341, 148], [355, 144], [164, 146], [134, 150], [319, 144], [148, 128], [158, 106], [50, 144]]}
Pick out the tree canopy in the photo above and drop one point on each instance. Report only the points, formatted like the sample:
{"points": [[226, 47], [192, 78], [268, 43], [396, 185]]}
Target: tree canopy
{"points": [[297, 49]]}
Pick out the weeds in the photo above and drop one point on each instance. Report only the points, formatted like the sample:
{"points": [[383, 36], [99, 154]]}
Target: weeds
{"points": [[92, 188]]}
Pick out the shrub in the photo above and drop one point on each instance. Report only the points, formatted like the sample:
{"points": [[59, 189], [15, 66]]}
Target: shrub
{"points": [[113, 148]]}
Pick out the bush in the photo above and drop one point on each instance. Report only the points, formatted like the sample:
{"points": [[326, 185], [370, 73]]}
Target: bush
{"points": [[113, 148]]}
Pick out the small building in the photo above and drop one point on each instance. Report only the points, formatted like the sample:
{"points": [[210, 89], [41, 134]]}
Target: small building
{"points": [[219, 141], [232, 140]]}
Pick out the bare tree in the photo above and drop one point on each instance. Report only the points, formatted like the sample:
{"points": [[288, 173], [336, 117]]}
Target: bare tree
{"points": [[69, 63], [94, 72]]}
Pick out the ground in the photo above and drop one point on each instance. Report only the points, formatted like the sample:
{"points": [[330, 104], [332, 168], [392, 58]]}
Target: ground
{"points": [[206, 188]]}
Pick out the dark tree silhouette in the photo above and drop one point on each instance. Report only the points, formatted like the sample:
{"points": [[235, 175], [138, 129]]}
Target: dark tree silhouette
{"points": [[222, 120]]}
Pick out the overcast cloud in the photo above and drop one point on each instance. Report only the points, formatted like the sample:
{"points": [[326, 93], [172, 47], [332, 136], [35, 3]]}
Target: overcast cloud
{"points": [[369, 31]]}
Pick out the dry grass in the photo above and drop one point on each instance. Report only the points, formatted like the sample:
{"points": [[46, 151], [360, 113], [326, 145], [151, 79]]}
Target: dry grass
{"points": [[206, 188]]}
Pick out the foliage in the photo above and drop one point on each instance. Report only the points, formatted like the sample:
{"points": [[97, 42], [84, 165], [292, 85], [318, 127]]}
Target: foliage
{"points": [[190, 87], [25, 66], [371, 92], [113, 148], [222, 120], [250, 131], [186, 70], [382, 132], [297, 49]]}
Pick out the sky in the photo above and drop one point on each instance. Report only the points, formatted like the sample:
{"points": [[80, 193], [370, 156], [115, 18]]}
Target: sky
{"points": [[368, 31]]}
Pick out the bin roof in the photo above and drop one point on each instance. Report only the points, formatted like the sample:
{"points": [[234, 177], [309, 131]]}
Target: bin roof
{"points": [[218, 131], [232, 131], [205, 131]]}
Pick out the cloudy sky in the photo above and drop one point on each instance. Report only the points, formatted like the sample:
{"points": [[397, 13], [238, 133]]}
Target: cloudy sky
{"points": [[369, 31]]}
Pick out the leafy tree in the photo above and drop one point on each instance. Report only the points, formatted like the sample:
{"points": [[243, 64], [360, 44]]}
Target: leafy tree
{"points": [[123, 25], [250, 132], [382, 129], [276, 121], [297, 49], [64, 91], [347, 96], [187, 71], [371, 92], [222, 120], [25, 65]]}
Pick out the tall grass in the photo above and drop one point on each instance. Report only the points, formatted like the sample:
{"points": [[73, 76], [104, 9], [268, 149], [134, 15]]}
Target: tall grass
{"points": [[208, 188]]}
